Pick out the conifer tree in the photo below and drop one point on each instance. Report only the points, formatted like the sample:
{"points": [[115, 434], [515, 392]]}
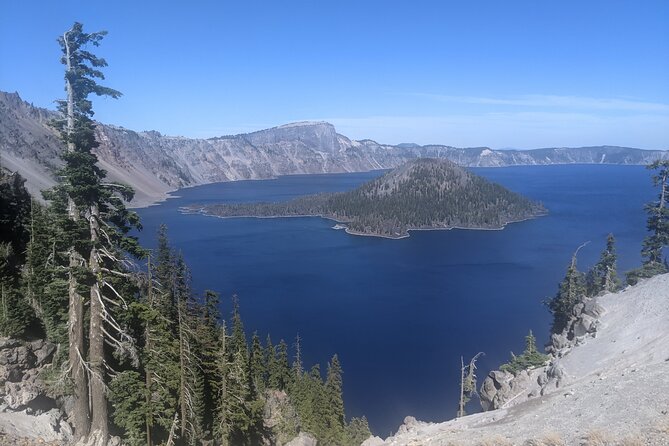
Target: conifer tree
{"points": [[658, 217], [44, 279], [658, 226], [190, 381], [222, 425], [239, 413], [131, 406], [272, 365], [297, 368], [256, 367], [98, 227], [15, 204], [530, 358], [208, 344], [467, 383], [357, 431], [571, 292], [603, 275], [284, 375], [333, 385], [336, 419], [161, 345]]}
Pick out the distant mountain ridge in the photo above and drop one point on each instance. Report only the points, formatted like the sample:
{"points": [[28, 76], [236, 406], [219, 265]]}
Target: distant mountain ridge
{"points": [[154, 164]]}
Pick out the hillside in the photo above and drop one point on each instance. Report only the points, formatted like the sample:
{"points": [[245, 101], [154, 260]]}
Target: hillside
{"points": [[154, 164], [612, 389], [425, 193]]}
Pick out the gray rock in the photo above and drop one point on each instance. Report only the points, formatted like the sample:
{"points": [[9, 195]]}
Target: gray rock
{"points": [[20, 395], [66, 405], [280, 419], [584, 325], [410, 425], [114, 441], [559, 341], [43, 351], [495, 390], [303, 439], [65, 430], [9, 343], [55, 417], [373, 441], [593, 309], [556, 374]]}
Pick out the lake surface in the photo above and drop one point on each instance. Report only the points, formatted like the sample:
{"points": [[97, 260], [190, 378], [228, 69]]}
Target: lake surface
{"points": [[401, 312]]}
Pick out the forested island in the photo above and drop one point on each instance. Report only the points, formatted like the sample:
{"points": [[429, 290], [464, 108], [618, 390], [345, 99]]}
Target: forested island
{"points": [[425, 193]]}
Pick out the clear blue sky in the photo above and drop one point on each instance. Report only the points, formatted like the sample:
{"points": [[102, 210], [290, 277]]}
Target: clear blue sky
{"points": [[466, 73]]}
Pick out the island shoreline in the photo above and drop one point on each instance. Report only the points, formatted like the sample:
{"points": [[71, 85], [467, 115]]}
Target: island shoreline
{"points": [[185, 210]]}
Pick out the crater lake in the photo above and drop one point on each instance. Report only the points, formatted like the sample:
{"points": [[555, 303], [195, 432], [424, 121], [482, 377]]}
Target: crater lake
{"points": [[400, 313]]}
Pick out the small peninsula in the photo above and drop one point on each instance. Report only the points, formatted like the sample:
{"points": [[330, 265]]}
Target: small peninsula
{"points": [[424, 194]]}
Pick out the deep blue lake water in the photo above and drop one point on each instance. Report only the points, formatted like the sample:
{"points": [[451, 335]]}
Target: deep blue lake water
{"points": [[401, 312]]}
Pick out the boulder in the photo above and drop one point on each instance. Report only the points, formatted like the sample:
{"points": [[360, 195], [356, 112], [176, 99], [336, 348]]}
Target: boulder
{"points": [[373, 441], [43, 351], [19, 395], [40, 429], [303, 439], [495, 390], [16, 356], [559, 341], [66, 405], [280, 419], [6, 343], [555, 374], [585, 325], [20, 366], [408, 425], [593, 309], [504, 389]]}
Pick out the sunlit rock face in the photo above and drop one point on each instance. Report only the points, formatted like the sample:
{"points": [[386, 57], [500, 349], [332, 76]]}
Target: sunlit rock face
{"points": [[154, 164]]}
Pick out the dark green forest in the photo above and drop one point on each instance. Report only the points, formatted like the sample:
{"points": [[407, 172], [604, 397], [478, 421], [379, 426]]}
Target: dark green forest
{"points": [[422, 194]]}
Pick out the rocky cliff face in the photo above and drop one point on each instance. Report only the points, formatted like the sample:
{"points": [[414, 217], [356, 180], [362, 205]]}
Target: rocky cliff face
{"points": [[27, 410], [504, 389], [154, 164]]}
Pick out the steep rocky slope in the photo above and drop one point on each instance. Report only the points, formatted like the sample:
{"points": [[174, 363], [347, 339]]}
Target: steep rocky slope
{"points": [[609, 389], [155, 164]]}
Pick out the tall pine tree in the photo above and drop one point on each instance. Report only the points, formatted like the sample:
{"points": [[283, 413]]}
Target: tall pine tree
{"points": [[658, 226], [571, 291], [603, 276], [98, 223]]}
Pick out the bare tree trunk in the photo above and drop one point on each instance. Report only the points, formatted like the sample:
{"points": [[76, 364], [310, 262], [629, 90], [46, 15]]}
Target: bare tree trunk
{"points": [[170, 438], [182, 369], [147, 369], [99, 423], [461, 408], [223, 394], [81, 412]]}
